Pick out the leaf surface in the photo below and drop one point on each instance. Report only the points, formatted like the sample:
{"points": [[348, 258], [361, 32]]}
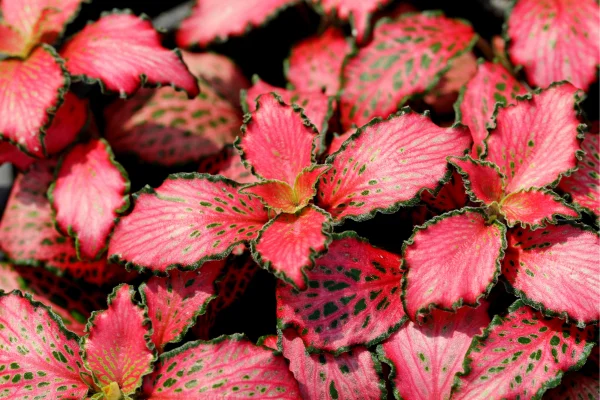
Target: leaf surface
{"points": [[483, 180], [535, 207], [12, 41], [452, 196], [11, 154], [67, 124], [227, 163]]}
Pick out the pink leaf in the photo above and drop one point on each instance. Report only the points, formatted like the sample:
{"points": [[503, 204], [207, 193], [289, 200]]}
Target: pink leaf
{"points": [[289, 243], [123, 52], [316, 63], [338, 141], [387, 164], [452, 196], [521, 355], [558, 259], [406, 57], [535, 207], [226, 366], [352, 375], [90, 191], [29, 98], [535, 141], [68, 122], [575, 385], [227, 163], [352, 297], [425, 358], [211, 22], [11, 154], [555, 40], [451, 261], [12, 41], [492, 85], [39, 357], [483, 180], [175, 302], [118, 347], [269, 341], [189, 219]]}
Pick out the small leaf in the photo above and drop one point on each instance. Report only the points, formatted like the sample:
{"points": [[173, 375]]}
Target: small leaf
{"points": [[126, 360], [535, 207], [558, 259], [269, 341], [12, 41], [338, 141], [189, 219], [406, 57], [38, 356], [575, 385], [227, 163], [554, 41], [11, 154], [452, 196], [425, 358], [521, 355], [67, 124], [352, 375], [223, 367], [123, 52], [483, 180], [352, 297], [386, 164], [451, 261]]}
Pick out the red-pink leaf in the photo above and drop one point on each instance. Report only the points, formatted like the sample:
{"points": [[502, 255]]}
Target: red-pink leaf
{"points": [[584, 184], [424, 358], [165, 127], [11, 154], [269, 341], [123, 52], [118, 347], [67, 123], [352, 297], [30, 92], [39, 357], [558, 259], [452, 196], [451, 261], [90, 190], [189, 219], [338, 141], [352, 375], [211, 22], [290, 242], [406, 57], [12, 41], [229, 366], [556, 40], [387, 164], [521, 355], [535, 141], [315, 64], [492, 85], [575, 385], [535, 207], [483, 180], [227, 163], [175, 302]]}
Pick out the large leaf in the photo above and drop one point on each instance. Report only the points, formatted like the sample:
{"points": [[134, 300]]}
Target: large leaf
{"points": [[123, 52], [584, 184], [452, 196], [386, 164], [210, 21], [521, 355], [189, 219], [38, 357], [536, 140], [315, 64], [352, 297], [451, 261], [91, 189], [575, 386], [175, 302], [229, 366], [289, 243], [406, 57], [229, 164], [352, 375], [556, 270], [29, 98], [165, 127], [555, 40], [118, 347], [492, 85], [535, 207], [424, 358]]}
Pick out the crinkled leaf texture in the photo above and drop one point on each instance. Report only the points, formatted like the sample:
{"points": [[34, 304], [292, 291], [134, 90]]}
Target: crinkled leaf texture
{"points": [[227, 163], [483, 180], [38, 356], [189, 219], [522, 354], [406, 57], [351, 375], [123, 52], [534, 207], [352, 297], [563, 259], [228, 366], [425, 358], [90, 190], [387, 164], [210, 21], [451, 261], [555, 40], [575, 385], [118, 347]]}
